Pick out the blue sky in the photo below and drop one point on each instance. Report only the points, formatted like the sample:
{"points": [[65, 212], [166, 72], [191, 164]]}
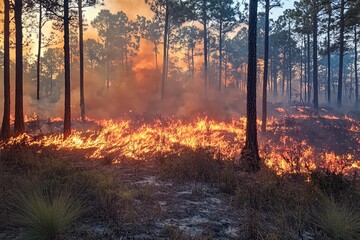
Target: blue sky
{"points": [[276, 12]]}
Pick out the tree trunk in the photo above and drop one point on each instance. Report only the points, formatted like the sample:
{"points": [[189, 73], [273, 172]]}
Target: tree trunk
{"points": [[266, 64], [5, 128], [329, 59], [157, 65], [205, 47], [192, 64], [275, 75], [220, 57], [301, 72], [305, 70], [67, 115], [315, 50], [19, 127], [341, 53], [250, 154], [81, 52], [283, 76], [290, 65], [38, 67], [308, 69], [167, 14], [107, 63], [356, 68]]}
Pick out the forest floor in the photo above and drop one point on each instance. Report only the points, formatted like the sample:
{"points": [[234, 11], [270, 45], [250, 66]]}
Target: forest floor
{"points": [[191, 196]]}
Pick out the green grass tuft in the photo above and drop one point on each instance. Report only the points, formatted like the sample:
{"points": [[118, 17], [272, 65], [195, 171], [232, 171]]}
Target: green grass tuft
{"points": [[337, 221], [46, 217]]}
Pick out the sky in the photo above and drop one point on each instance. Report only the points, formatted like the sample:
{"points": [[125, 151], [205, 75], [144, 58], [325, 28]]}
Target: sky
{"points": [[138, 7]]}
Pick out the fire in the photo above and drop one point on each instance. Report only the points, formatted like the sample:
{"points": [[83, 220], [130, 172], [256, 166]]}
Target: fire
{"points": [[141, 140]]}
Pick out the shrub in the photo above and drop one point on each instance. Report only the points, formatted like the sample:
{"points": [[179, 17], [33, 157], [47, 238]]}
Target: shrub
{"points": [[45, 215], [329, 182]]}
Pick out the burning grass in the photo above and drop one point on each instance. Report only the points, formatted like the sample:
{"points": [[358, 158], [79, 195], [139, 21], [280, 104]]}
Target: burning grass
{"points": [[297, 143]]}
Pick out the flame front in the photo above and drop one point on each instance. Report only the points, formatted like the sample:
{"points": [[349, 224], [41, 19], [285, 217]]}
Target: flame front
{"points": [[144, 141]]}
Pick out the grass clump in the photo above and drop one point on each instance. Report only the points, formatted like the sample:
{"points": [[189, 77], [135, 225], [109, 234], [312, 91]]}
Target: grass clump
{"points": [[190, 165], [337, 220], [45, 216]]}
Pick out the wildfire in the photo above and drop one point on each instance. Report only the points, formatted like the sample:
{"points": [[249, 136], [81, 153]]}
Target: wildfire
{"points": [[140, 140]]}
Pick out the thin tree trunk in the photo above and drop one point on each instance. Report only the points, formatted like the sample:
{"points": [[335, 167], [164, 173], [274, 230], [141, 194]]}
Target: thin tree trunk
{"points": [[165, 50], [315, 50], [266, 64], [38, 62], [341, 53], [275, 80], [301, 73], [81, 52], [5, 128], [67, 115], [19, 127], [205, 47], [290, 66], [283, 76], [192, 64], [220, 57], [250, 153], [309, 63], [356, 68], [305, 70], [329, 59]]}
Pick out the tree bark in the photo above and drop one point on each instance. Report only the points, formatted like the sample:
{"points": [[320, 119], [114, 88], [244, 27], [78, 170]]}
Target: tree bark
{"points": [[5, 128], [220, 57], [205, 47], [290, 65], [341, 53], [19, 127], [266, 64], [308, 69], [192, 64], [250, 154], [329, 60], [38, 62], [81, 52], [315, 55], [167, 14], [356, 68], [67, 115]]}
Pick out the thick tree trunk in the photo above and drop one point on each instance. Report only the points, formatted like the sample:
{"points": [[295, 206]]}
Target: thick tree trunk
{"points": [[315, 55], [19, 127], [266, 64], [38, 62], [341, 53], [5, 128], [81, 52], [67, 115], [250, 154], [165, 57]]}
